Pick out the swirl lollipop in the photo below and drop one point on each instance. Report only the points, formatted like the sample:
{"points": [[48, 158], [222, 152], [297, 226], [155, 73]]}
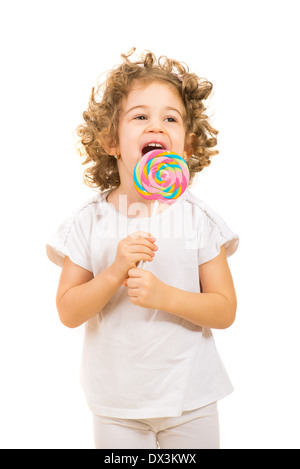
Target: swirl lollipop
{"points": [[161, 175]]}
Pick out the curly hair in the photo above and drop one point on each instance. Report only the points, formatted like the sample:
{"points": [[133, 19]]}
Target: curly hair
{"points": [[100, 130]]}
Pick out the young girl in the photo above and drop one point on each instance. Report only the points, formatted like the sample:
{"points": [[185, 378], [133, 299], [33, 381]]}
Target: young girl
{"points": [[150, 370]]}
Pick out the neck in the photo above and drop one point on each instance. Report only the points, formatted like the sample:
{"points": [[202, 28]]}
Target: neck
{"points": [[131, 194], [131, 204]]}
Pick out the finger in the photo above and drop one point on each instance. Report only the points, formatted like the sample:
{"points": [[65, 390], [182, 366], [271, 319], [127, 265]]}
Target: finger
{"points": [[133, 292], [141, 234], [132, 283], [140, 249], [135, 273], [134, 300], [142, 242], [136, 257], [143, 258]]}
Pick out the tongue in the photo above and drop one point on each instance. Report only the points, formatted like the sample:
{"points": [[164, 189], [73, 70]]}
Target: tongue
{"points": [[150, 148], [155, 153]]}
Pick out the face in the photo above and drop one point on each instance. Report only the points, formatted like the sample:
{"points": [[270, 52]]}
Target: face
{"points": [[152, 116]]}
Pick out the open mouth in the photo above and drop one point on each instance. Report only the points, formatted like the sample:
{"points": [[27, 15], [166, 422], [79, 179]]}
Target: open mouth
{"points": [[152, 146]]}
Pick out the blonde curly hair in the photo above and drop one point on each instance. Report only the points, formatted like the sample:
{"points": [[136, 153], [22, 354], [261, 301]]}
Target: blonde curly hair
{"points": [[100, 130]]}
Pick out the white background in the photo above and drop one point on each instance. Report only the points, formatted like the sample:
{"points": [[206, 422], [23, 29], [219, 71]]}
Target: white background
{"points": [[52, 54]]}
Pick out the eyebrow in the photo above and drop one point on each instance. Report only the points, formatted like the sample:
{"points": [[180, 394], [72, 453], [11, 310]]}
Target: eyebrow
{"points": [[141, 106]]}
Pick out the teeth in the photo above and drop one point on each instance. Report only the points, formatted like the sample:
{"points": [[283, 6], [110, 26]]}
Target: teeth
{"points": [[150, 146], [155, 145]]}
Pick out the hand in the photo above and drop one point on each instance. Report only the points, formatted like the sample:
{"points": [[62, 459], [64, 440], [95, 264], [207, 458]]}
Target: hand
{"points": [[136, 247], [145, 289]]}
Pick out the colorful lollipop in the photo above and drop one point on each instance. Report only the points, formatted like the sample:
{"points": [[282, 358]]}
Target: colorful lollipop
{"points": [[161, 175]]}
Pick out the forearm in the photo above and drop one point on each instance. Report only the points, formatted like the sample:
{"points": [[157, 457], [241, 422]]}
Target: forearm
{"points": [[210, 310], [84, 301]]}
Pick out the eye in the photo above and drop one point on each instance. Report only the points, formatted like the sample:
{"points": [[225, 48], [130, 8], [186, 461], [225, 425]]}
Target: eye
{"points": [[170, 119], [141, 117]]}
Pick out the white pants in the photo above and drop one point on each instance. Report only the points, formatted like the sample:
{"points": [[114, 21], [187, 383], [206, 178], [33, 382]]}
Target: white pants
{"points": [[196, 429]]}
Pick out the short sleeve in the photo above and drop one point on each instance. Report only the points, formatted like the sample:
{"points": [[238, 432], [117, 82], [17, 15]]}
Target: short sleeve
{"points": [[71, 239], [214, 233]]}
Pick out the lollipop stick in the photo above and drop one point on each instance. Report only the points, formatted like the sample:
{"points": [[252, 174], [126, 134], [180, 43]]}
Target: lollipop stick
{"points": [[155, 210]]}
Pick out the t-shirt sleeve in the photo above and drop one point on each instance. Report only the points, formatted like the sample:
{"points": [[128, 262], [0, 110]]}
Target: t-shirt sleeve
{"points": [[71, 239], [214, 233]]}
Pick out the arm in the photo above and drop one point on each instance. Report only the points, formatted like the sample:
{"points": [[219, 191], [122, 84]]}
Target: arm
{"points": [[214, 307], [80, 295]]}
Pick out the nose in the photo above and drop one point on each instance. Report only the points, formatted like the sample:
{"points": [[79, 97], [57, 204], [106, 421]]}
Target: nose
{"points": [[155, 125]]}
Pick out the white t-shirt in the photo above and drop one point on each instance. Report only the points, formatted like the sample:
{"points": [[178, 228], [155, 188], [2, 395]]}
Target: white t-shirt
{"points": [[139, 362]]}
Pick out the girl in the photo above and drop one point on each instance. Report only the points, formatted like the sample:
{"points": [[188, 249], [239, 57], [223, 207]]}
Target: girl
{"points": [[150, 370]]}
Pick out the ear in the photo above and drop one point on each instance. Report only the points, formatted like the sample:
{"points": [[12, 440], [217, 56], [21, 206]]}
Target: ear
{"points": [[189, 145], [112, 151], [110, 145]]}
